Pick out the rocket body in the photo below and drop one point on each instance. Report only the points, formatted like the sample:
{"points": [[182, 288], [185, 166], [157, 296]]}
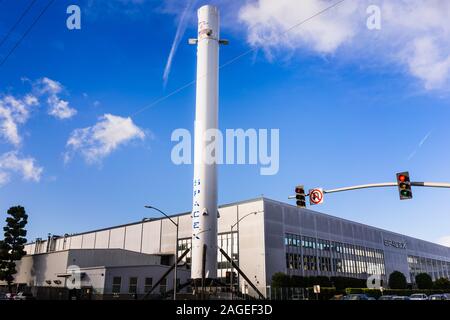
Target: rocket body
{"points": [[204, 209]]}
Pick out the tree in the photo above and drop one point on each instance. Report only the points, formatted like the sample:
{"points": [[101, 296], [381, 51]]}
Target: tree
{"points": [[280, 280], [442, 283], [397, 280], [424, 281], [12, 247]]}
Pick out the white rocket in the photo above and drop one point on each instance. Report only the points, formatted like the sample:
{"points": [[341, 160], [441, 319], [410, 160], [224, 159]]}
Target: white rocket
{"points": [[204, 210]]}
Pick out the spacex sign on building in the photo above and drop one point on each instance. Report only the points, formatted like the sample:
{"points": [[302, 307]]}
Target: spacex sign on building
{"points": [[395, 244]]}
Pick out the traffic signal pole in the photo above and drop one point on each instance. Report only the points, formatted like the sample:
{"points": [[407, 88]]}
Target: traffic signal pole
{"points": [[384, 184], [389, 184]]}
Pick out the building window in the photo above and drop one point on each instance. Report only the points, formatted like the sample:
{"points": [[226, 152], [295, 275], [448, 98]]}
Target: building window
{"points": [[148, 284], [116, 284], [132, 288], [163, 286]]}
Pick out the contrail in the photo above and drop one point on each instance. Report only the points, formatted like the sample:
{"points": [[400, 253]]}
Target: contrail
{"points": [[421, 143], [176, 41]]}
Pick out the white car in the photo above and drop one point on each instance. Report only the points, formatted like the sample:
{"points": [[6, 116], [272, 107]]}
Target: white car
{"points": [[437, 297], [24, 296], [418, 296]]}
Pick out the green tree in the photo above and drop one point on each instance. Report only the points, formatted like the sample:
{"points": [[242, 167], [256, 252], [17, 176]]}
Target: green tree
{"points": [[442, 283], [280, 280], [12, 247], [424, 281], [397, 280]]}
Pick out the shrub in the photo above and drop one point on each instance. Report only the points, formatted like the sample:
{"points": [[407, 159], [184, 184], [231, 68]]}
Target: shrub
{"points": [[424, 281], [280, 280], [442, 283], [397, 280]]}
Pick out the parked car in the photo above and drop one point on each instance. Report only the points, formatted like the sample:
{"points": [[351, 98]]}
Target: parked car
{"points": [[24, 296], [387, 297], [338, 297], [418, 296], [401, 298], [359, 296], [10, 296], [437, 297], [3, 296], [447, 296]]}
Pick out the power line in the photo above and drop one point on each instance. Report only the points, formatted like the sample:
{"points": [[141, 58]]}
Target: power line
{"points": [[17, 22], [26, 32], [232, 60]]}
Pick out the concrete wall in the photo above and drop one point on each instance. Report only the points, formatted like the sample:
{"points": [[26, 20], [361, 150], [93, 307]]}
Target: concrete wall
{"points": [[34, 270], [110, 257]]}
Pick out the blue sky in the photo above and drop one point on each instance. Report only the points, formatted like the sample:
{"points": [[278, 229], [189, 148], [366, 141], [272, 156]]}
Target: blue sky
{"points": [[353, 106]]}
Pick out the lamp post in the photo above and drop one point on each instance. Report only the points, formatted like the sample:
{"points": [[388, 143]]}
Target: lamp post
{"points": [[176, 224], [232, 247]]}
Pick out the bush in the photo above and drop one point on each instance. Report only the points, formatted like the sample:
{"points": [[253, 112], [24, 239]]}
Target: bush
{"points": [[375, 293], [394, 292], [280, 280], [397, 280], [345, 282], [442, 283], [424, 281]]}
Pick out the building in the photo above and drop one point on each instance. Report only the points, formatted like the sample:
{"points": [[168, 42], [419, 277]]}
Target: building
{"points": [[96, 272], [264, 237]]}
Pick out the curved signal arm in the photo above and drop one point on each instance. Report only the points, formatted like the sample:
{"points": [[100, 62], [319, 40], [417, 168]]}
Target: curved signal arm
{"points": [[384, 184]]}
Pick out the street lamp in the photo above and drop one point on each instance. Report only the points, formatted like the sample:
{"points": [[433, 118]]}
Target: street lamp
{"points": [[232, 247], [176, 224]]}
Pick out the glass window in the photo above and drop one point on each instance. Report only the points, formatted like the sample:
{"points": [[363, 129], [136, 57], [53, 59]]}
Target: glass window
{"points": [[116, 284], [163, 286], [132, 288], [148, 284]]}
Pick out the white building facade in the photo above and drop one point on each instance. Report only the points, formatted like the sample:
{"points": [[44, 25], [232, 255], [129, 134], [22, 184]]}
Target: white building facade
{"points": [[274, 237]]}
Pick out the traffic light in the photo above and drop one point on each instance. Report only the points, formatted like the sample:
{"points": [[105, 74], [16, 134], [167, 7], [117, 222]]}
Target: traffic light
{"points": [[404, 185], [300, 196]]}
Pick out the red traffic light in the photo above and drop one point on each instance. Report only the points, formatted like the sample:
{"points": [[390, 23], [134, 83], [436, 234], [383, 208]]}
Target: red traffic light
{"points": [[404, 185], [299, 190]]}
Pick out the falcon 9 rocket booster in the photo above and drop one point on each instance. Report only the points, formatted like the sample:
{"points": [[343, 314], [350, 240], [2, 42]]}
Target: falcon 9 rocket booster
{"points": [[204, 207]]}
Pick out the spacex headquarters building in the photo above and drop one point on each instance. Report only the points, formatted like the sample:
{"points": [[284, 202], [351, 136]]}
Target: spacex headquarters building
{"points": [[270, 237]]}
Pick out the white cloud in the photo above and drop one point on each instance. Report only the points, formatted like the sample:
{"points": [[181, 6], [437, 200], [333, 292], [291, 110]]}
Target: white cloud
{"points": [[49, 86], [26, 167], [426, 62], [268, 22], [445, 241], [58, 107], [13, 112], [98, 141], [414, 33]]}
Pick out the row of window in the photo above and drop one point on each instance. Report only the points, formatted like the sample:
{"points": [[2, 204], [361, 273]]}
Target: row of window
{"points": [[224, 241], [295, 261], [294, 240], [311, 254], [133, 285], [436, 268]]}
